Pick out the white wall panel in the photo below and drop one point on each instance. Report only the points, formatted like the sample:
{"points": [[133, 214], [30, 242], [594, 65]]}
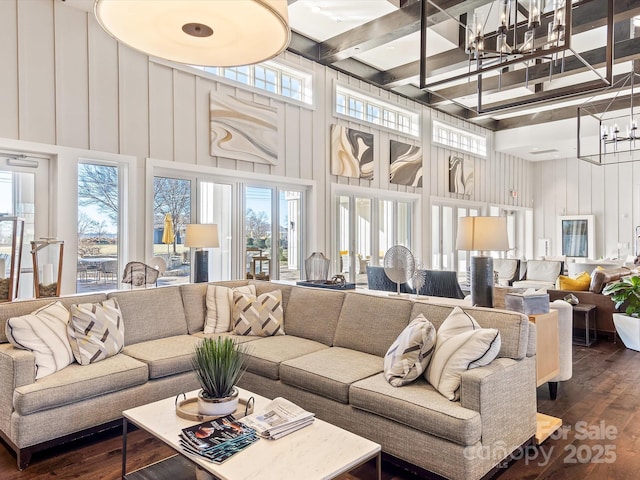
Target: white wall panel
{"points": [[36, 71], [184, 123], [72, 77], [161, 113], [133, 102], [9, 78], [103, 89]]}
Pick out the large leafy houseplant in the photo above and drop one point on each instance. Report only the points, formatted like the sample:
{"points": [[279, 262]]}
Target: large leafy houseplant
{"points": [[625, 292], [219, 364]]}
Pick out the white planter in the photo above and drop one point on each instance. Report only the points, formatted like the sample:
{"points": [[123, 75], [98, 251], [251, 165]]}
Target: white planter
{"points": [[628, 329], [218, 406]]}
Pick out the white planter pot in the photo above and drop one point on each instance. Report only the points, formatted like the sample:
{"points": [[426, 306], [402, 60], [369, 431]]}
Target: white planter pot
{"points": [[628, 329], [218, 406]]}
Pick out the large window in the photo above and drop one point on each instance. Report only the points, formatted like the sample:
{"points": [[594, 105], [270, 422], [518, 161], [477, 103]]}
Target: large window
{"points": [[372, 110], [366, 228], [444, 229], [171, 214], [98, 266], [273, 226]]}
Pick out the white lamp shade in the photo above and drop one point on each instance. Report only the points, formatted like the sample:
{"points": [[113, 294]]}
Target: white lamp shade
{"points": [[482, 234], [202, 235], [221, 33]]}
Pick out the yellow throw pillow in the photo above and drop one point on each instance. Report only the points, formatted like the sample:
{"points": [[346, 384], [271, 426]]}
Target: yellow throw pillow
{"points": [[579, 283]]}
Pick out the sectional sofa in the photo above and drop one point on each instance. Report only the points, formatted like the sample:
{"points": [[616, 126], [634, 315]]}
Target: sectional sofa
{"points": [[330, 361]]}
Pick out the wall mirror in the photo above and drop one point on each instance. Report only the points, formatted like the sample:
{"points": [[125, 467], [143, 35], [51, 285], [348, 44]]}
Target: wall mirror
{"points": [[577, 237]]}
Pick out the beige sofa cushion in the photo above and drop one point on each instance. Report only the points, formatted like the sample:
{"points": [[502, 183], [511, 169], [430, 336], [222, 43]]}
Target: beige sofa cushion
{"points": [[330, 372], [313, 313], [370, 324], [78, 382], [95, 331], [267, 353], [194, 305], [165, 356], [151, 313], [419, 406]]}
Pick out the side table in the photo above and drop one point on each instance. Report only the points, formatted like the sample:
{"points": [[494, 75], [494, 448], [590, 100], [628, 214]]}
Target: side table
{"points": [[584, 314]]}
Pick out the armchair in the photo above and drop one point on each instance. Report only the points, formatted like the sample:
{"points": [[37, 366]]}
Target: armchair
{"points": [[508, 270], [541, 274]]}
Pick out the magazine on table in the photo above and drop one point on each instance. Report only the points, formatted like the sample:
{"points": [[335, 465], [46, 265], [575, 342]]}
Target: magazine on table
{"points": [[218, 439], [279, 418]]}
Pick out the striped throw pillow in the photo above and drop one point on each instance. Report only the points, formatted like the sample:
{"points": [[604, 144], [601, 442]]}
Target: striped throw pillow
{"points": [[44, 332], [95, 331], [409, 355], [460, 345], [219, 302], [262, 316]]}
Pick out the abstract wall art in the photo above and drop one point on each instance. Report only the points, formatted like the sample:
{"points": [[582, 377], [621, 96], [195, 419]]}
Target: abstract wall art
{"points": [[405, 164], [460, 175], [243, 130], [351, 153]]}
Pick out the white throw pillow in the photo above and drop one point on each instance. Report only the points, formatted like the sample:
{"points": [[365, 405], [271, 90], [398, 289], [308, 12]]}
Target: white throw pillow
{"points": [[219, 305], [408, 357], [44, 332], [460, 345]]}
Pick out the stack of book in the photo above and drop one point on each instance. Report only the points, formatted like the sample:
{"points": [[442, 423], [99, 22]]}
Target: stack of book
{"points": [[279, 418], [217, 440]]}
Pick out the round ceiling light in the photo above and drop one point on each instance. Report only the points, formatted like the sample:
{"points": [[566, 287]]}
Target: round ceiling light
{"points": [[220, 33]]}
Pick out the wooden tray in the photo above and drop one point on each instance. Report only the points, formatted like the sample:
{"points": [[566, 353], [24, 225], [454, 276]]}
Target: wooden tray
{"points": [[188, 409]]}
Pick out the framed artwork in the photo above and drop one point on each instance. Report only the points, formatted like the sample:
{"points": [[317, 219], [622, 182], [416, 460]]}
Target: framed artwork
{"points": [[577, 235], [351, 153], [405, 166], [243, 130], [460, 175]]}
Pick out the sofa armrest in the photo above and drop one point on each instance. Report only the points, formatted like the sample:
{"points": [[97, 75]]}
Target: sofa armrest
{"points": [[17, 368], [504, 392]]}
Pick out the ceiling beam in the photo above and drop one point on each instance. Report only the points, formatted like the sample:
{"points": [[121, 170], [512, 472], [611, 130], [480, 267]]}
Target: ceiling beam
{"points": [[588, 16], [388, 28]]}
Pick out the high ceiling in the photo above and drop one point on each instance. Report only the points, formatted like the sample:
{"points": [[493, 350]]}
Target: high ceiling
{"points": [[379, 41]]}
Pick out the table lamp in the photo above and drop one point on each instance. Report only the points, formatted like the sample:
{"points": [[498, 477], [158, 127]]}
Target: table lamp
{"points": [[482, 234], [200, 236]]}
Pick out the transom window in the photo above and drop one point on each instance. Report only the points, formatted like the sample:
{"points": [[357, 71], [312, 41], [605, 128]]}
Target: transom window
{"points": [[372, 110], [459, 139], [271, 77]]}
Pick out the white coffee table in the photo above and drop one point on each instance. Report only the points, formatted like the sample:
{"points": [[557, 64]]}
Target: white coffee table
{"points": [[318, 451]]}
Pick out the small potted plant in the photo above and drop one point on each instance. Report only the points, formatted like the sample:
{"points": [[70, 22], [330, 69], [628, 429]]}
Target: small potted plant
{"points": [[219, 363], [626, 292]]}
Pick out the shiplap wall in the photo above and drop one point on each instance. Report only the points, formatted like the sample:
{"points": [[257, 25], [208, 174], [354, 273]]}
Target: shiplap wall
{"points": [[574, 187], [66, 82]]}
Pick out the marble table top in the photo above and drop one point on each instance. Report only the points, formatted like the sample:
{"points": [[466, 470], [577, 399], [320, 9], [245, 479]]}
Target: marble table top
{"points": [[318, 451]]}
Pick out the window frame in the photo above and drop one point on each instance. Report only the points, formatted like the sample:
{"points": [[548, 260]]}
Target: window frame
{"points": [[456, 138]]}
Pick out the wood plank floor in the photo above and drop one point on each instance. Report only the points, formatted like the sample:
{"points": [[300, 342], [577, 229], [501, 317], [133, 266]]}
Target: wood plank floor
{"points": [[600, 438]]}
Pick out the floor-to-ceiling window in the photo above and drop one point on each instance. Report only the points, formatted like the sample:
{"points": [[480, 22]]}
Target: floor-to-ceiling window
{"points": [[171, 213], [98, 266], [20, 178], [366, 227], [444, 229], [273, 232]]}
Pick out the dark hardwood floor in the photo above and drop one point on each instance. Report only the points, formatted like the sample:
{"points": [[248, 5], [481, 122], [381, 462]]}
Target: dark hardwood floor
{"points": [[600, 438]]}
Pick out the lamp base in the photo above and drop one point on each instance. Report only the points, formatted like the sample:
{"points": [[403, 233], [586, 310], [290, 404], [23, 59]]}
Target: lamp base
{"points": [[201, 266], [482, 281]]}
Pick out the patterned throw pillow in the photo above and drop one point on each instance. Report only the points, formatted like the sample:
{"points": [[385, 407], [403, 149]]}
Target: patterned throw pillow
{"points": [[96, 331], [44, 332], [262, 316], [408, 357], [219, 303], [460, 345]]}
